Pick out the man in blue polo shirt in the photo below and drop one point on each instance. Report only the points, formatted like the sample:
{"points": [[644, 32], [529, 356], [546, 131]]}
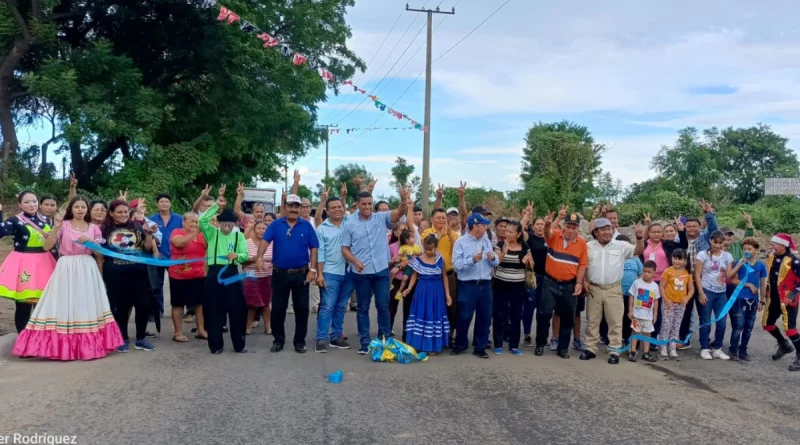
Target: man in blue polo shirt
{"points": [[294, 261], [366, 247], [167, 221]]}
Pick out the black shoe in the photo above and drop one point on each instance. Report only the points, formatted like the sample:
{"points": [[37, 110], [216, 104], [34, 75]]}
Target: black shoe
{"points": [[613, 360], [301, 349], [528, 342], [341, 344], [744, 357], [149, 334], [224, 330], [563, 354], [457, 351], [633, 356], [588, 355], [783, 349], [795, 366], [243, 351], [652, 358], [218, 351], [481, 354], [276, 347], [321, 347], [539, 351]]}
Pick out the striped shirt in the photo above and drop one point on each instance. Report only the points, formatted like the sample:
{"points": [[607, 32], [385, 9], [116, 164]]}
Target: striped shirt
{"points": [[565, 257], [252, 251], [511, 269]]}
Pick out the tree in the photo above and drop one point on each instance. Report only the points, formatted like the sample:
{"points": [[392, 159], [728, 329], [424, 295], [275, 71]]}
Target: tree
{"points": [[347, 173], [401, 171], [304, 192], [162, 96], [691, 164], [639, 191], [748, 156], [559, 164], [607, 189]]}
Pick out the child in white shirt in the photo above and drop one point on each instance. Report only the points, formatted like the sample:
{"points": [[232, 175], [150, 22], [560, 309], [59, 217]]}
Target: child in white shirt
{"points": [[643, 309]]}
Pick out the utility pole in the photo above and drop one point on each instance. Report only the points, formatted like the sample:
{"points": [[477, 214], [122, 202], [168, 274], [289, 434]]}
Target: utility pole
{"points": [[426, 148], [325, 133]]}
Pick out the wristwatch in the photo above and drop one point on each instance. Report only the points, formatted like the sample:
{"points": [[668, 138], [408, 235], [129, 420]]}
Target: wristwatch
{"points": [[313, 270]]}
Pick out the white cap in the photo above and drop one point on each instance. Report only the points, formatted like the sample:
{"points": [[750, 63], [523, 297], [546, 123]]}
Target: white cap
{"points": [[452, 210], [293, 199]]}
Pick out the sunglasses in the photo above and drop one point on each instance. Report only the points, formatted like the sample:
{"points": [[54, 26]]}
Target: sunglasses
{"points": [[289, 232]]}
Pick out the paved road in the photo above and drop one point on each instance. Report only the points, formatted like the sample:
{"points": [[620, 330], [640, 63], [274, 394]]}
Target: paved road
{"points": [[182, 394]]}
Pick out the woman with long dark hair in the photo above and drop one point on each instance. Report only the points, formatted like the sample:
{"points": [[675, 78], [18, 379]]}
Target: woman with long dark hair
{"points": [[509, 292], [25, 271], [127, 283], [72, 320], [538, 248]]}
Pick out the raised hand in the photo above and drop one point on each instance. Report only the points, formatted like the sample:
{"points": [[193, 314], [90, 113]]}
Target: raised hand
{"points": [[549, 217], [323, 197], [59, 219], [462, 189], [747, 219], [73, 181], [679, 224], [371, 185], [647, 220], [343, 191], [296, 176], [123, 195], [639, 230], [530, 208], [206, 191], [704, 205], [563, 212], [440, 191], [596, 211], [240, 190], [358, 180]]}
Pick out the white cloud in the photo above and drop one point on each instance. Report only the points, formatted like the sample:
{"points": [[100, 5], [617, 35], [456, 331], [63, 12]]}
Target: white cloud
{"points": [[491, 151]]}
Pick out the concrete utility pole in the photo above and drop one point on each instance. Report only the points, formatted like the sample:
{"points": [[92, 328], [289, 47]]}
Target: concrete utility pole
{"points": [[426, 150], [325, 134]]}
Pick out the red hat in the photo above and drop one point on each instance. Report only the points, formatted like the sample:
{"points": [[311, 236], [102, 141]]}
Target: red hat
{"points": [[784, 239], [134, 203]]}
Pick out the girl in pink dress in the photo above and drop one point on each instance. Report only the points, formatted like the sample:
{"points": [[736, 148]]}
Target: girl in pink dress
{"points": [[73, 319]]}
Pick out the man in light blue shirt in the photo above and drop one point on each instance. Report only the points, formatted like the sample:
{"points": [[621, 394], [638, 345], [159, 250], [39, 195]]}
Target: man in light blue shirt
{"points": [[473, 261], [334, 280], [366, 247]]}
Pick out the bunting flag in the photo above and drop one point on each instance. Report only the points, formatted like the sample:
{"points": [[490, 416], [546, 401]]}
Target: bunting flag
{"points": [[226, 15], [349, 130]]}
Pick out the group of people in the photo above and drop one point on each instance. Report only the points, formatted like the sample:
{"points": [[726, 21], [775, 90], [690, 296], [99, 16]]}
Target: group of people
{"points": [[76, 276]]}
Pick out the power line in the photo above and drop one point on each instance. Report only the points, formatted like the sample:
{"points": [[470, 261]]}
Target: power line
{"points": [[473, 30]]}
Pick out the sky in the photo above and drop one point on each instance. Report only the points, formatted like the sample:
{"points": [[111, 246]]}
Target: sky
{"points": [[633, 72]]}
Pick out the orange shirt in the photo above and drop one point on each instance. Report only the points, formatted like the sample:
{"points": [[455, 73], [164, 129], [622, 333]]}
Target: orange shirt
{"points": [[563, 262], [676, 284]]}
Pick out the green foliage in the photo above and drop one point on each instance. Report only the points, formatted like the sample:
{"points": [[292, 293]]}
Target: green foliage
{"points": [[401, 172], [690, 165], [770, 215], [346, 173], [560, 164], [473, 196]]}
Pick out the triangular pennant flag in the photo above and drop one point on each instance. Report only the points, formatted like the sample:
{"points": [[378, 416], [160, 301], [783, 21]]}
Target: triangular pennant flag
{"points": [[362, 91], [223, 13], [425, 128], [233, 17], [347, 82], [383, 107], [374, 98], [298, 59], [268, 40], [286, 51], [247, 27], [313, 64], [347, 131], [355, 88], [208, 4]]}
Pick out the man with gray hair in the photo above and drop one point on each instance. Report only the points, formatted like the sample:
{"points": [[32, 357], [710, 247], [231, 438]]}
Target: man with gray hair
{"points": [[603, 286]]}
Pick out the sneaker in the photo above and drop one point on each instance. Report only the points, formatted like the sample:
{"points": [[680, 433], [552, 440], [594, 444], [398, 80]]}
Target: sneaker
{"points": [[321, 346], [603, 341], [554, 344], [363, 350], [188, 318], [684, 347], [144, 345], [744, 357], [663, 354], [340, 344], [673, 353], [539, 351], [577, 345], [498, 351], [633, 356], [705, 354], [717, 353], [125, 347], [516, 352], [290, 311], [650, 357], [528, 342]]}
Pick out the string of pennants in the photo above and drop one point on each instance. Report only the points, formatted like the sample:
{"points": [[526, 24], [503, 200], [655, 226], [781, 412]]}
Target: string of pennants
{"points": [[229, 17], [370, 129]]}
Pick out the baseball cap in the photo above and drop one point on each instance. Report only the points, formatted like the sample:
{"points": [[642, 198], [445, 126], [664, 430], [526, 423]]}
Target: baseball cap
{"points": [[602, 222], [452, 210], [574, 218], [477, 218], [134, 203], [727, 230], [293, 199], [481, 210], [501, 219]]}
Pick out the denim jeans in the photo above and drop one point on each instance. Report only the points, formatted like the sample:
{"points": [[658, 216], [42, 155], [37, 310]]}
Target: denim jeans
{"points": [[474, 298], [716, 301], [366, 285], [743, 317], [333, 304], [531, 305]]}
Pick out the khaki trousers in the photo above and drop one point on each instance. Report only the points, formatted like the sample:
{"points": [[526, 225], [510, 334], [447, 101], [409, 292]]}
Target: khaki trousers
{"points": [[604, 300]]}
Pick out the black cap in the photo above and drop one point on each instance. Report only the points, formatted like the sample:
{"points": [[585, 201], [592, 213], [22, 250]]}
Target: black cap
{"points": [[482, 210], [573, 218], [227, 216], [501, 219]]}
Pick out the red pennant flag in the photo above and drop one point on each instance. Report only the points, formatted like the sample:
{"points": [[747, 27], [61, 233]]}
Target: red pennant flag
{"points": [[299, 59], [327, 75], [347, 82], [268, 40], [425, 129], [233, 17], [223, 13], [362, 91]]}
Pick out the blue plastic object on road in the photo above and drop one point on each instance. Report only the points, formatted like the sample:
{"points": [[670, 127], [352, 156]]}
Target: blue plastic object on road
{"points": [[335, 377]]}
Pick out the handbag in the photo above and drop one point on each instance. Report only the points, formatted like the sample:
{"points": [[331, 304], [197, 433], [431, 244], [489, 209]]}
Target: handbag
{"points": [[530, 278]]}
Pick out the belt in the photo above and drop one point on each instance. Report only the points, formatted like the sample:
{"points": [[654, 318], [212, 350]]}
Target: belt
{"points": [[605, 286], [572, 281], [475, 282], [303, 269]]}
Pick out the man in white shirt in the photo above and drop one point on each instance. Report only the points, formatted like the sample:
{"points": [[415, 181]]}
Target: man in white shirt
{"points": [[603, 286]]}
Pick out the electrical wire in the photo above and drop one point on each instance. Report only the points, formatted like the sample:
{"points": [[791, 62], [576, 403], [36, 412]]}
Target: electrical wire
{"points": [[473, 30]]}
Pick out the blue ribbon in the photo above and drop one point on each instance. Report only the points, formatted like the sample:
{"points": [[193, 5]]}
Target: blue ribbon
{"points": [[720, 316], [150, 261]]}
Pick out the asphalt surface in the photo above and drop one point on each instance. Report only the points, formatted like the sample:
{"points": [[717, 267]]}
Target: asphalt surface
{"points": [[183, 394]]}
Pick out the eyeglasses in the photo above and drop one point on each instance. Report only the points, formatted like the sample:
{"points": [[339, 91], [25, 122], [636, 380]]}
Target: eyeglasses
{"points": [[289, 232]]}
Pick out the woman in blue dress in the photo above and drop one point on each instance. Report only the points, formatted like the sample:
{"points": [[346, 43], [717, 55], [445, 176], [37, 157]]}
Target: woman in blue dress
{"points": [[428, 328]]}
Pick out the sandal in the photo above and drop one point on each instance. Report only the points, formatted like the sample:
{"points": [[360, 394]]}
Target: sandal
{"points": [[200, 337], [180, 338], [268, 331], [248, 332], [254, 325]]}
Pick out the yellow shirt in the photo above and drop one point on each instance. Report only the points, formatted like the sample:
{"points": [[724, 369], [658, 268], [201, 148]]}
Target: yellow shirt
{"points": [[445, 246], [409, 251]]}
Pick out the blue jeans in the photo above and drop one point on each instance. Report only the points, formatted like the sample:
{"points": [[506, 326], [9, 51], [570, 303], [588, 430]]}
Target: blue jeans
{"points": [[716, 301], [531, 305], [334, 298], [474, 298], [366, 285], [743, 317]]}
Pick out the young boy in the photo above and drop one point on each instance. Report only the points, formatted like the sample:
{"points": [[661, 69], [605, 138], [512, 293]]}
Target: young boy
{"points": [[643, 309], [743, 312]]}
